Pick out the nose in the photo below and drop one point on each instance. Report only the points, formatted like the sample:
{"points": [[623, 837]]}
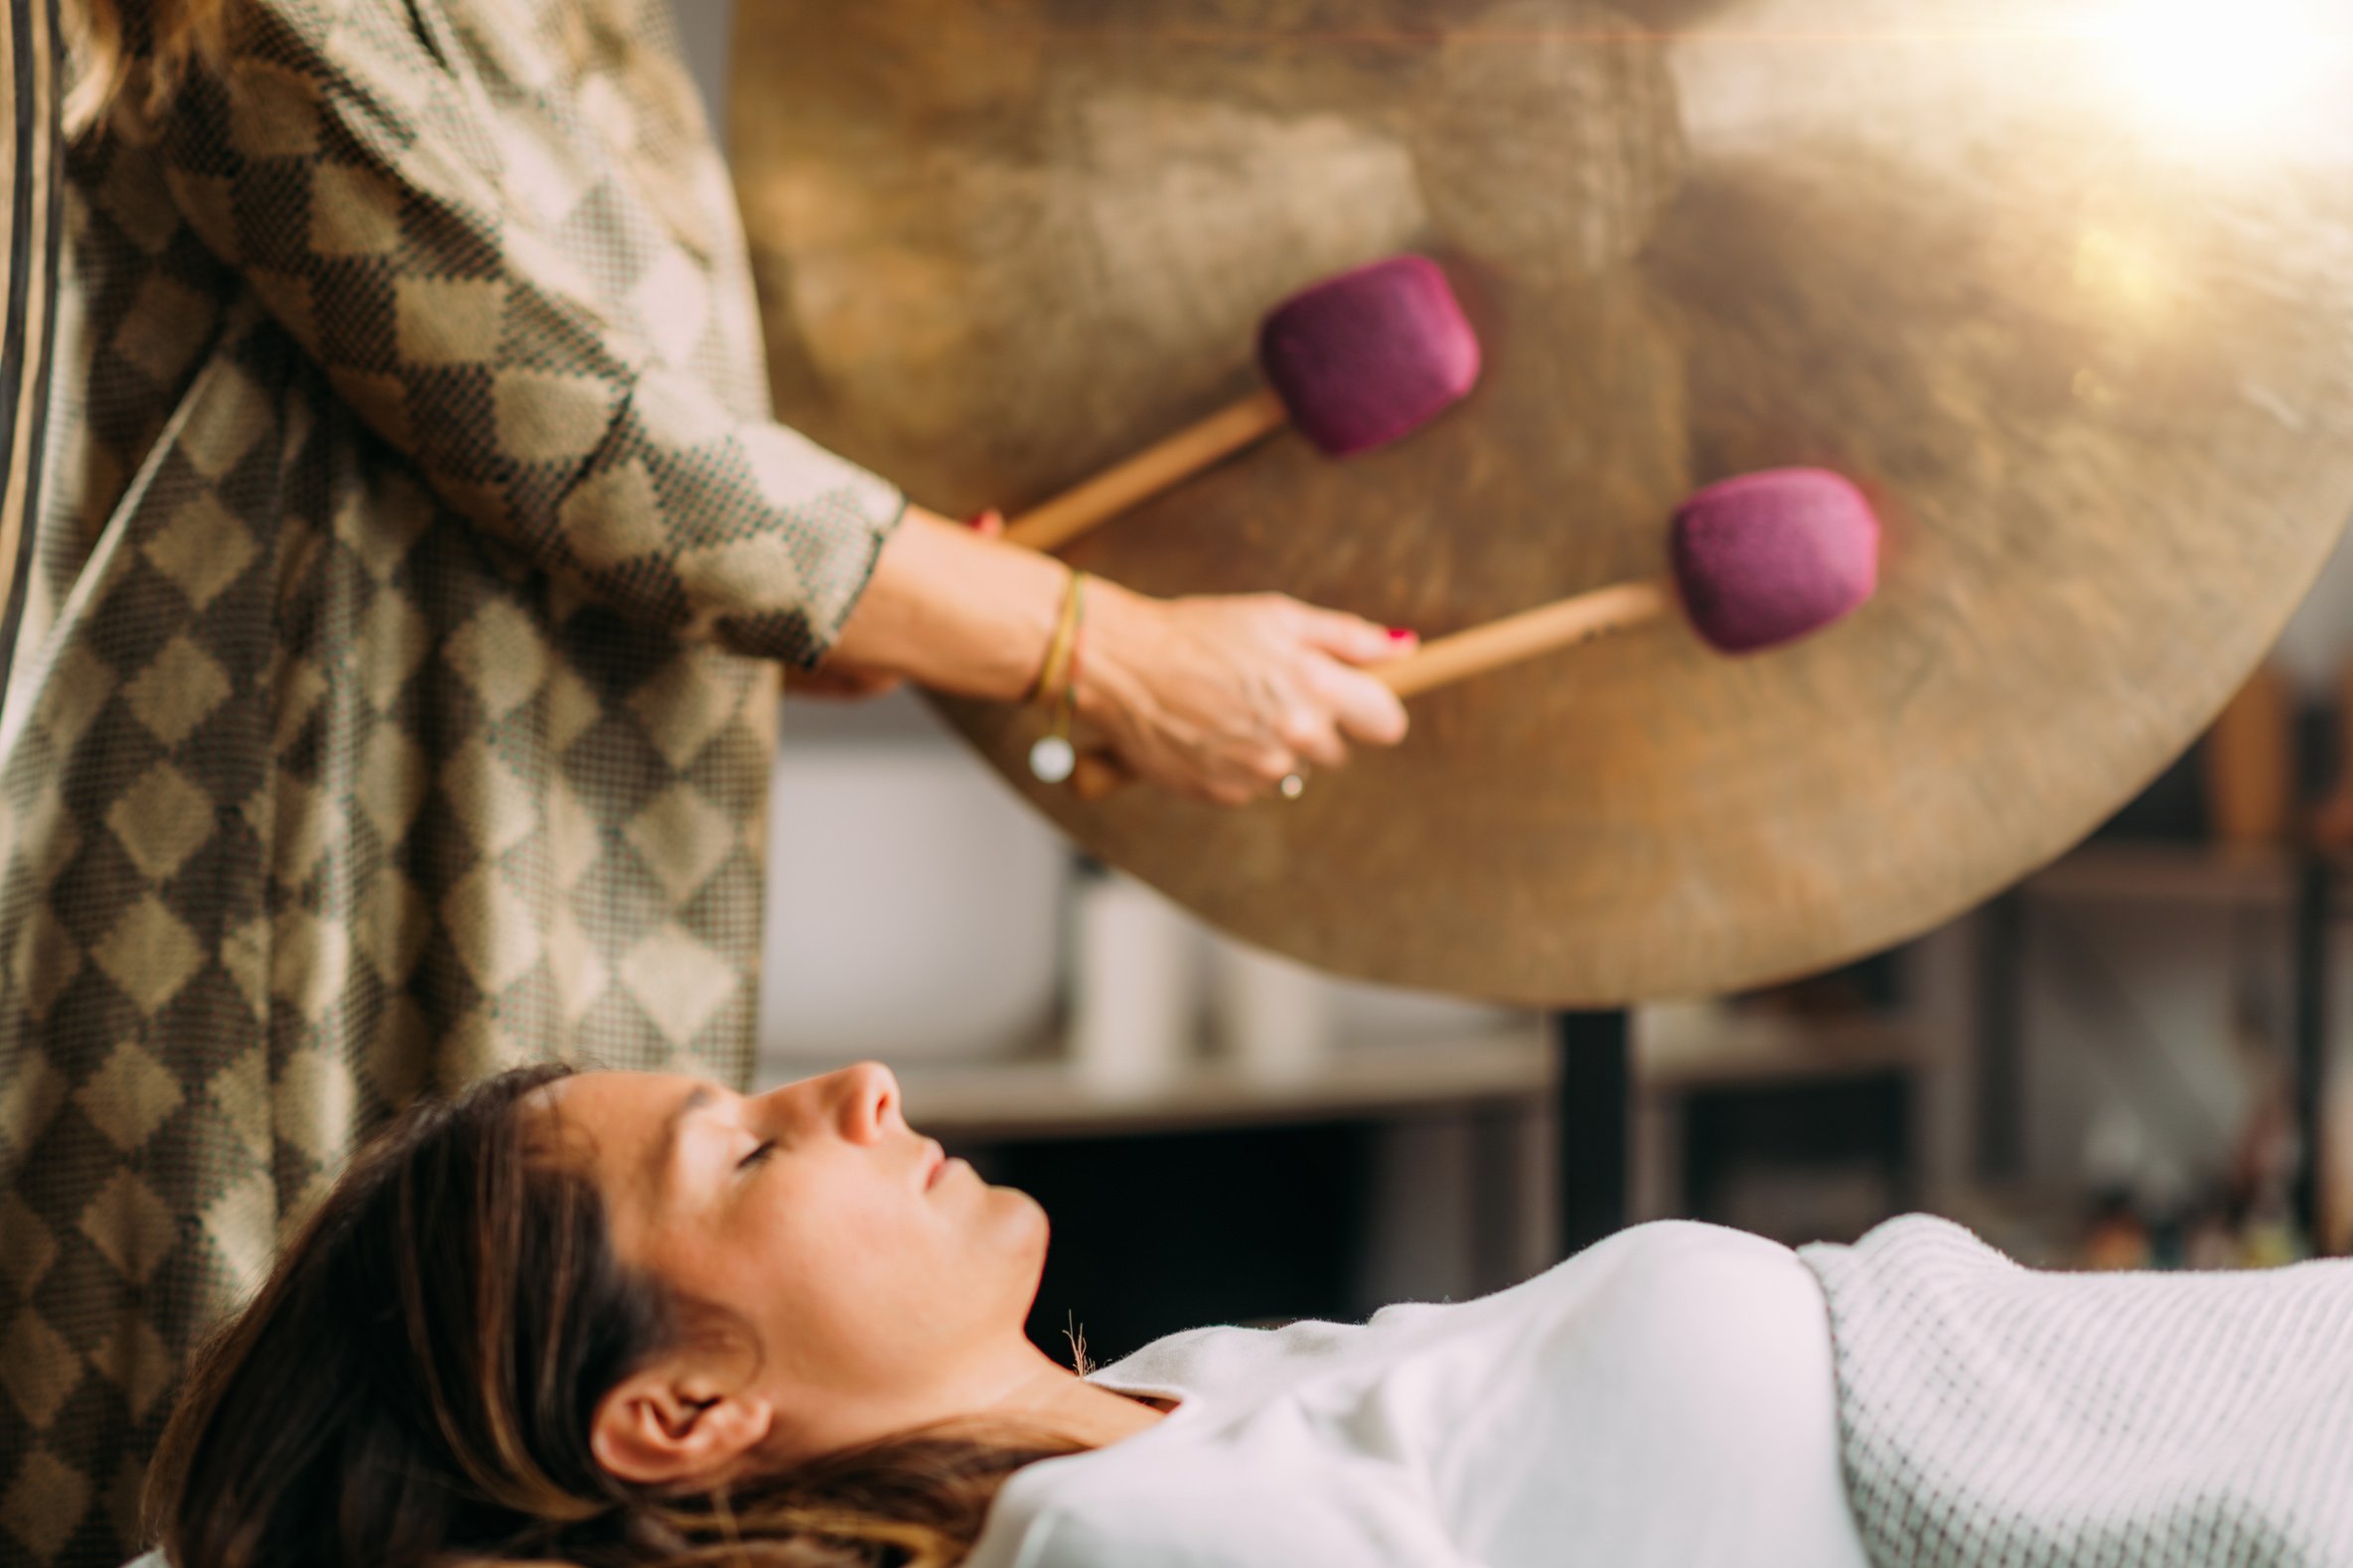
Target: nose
{"points": [[866, 1102], [859, 1105]]}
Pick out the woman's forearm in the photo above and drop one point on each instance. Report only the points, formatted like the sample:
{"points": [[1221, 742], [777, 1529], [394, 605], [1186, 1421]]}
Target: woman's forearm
{"points": [[955, 612]]}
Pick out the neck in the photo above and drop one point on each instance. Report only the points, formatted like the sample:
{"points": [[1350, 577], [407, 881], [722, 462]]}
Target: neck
{"points": [[1037, 1391], [1018, 1387]]}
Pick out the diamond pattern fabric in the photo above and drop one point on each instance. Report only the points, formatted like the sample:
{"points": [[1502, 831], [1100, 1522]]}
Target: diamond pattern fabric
{"points": [[397, 677]]}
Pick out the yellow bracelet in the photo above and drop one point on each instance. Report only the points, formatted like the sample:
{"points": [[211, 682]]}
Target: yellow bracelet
{"points": [[1055, 674], [1053, 757]]}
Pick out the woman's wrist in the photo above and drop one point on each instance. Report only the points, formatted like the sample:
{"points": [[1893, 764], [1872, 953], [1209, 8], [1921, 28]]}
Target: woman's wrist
{"points": [[956, 612], [1059, 676], [1120, 628]]}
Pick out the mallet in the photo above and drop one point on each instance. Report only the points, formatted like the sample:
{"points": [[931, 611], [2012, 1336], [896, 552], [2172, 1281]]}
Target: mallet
{"points": [[1757, 561], [1355, 362]]}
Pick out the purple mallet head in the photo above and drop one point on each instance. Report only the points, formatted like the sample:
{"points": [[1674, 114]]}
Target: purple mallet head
{"points": [[1369, 355], [1769, 557]]}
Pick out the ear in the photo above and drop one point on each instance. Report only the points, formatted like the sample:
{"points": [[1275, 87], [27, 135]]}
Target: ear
{"points": [[666, 1423]]}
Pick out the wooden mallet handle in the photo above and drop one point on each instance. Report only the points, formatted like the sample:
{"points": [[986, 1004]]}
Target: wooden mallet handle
{"points": [[1355, 362], [1562, 624], [1157, 468]]}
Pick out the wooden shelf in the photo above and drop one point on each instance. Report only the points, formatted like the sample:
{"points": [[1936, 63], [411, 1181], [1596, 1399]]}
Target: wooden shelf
{"points": [[2119, 872], [1673, 1052], [1053, 1099], [1682, 1047]]}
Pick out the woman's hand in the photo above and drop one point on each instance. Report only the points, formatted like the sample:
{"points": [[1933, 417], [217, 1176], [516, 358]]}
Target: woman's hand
{"points": [[1215, 697], [1223, 698]]}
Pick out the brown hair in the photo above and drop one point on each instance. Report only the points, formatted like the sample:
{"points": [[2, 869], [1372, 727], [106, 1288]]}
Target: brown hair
{"points": [[135, 53], [415, 1382]]}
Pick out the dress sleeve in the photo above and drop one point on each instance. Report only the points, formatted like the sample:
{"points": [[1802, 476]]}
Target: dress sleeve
{"points": [[345, 167]]}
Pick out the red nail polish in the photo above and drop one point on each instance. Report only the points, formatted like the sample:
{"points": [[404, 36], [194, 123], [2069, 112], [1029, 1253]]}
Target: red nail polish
{"points": [[982, 520], [1401, 635]]}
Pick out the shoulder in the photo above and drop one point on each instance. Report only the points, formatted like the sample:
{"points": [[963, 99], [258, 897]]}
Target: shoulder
{"points": [[1226, 1361]]}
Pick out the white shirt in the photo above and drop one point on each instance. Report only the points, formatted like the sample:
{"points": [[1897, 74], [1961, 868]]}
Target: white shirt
{"points": [[1665, 1397]]}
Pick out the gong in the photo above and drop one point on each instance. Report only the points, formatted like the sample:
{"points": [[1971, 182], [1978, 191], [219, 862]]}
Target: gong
{"points": [[2068, 289]]}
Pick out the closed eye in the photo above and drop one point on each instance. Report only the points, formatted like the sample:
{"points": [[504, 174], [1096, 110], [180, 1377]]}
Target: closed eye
{"points": [[757, 1156]]}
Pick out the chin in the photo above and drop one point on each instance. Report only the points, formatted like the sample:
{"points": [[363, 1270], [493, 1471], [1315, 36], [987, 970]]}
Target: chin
{"points": [[1020, 1220], [1022, 1210]]}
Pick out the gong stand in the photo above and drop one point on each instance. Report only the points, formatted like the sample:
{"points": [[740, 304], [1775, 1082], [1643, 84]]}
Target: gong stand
{"points": [[1594, 1109]]}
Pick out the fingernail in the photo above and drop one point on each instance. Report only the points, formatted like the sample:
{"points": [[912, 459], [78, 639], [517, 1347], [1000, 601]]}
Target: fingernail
{"points": [[985, 519], [1401, 635]]}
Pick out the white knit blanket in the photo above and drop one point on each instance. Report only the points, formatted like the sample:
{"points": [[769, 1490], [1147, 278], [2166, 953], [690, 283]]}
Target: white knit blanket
{"points": [[1995, 1417]]}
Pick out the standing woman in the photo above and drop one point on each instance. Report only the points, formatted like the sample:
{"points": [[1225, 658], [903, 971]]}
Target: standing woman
{"points": [[399, 650]]}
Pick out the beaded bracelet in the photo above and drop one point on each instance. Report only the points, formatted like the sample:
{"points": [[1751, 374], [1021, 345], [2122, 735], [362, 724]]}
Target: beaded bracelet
{"points": [[1053, 757]]}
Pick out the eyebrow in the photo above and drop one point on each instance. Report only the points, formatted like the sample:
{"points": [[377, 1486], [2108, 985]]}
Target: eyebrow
{"points": [[674, 1123]]}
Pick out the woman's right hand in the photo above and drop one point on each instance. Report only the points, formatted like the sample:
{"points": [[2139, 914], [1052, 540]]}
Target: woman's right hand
{"points": [[1222, 698], [1215, 697]]}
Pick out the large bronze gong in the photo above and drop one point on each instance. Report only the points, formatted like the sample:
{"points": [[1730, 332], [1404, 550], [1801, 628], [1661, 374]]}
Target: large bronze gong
{"points": [[2068, 288]]}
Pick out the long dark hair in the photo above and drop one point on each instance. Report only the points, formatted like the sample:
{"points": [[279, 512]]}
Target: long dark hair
{"points": [[414, 1387], [134, 54]]}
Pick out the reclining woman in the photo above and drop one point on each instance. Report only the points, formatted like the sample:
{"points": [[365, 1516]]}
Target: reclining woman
{"points": [[609, 1319]]}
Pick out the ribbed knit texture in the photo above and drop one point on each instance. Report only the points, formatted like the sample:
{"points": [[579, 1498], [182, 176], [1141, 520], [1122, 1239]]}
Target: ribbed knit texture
{"points": [[1992, 1415]]}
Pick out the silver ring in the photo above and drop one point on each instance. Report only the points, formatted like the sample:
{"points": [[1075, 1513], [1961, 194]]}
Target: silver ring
{"points": [[1293, 786]]}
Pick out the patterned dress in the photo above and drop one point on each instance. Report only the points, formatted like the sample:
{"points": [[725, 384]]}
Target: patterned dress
{"points": [[391, 704], [31, 143]]}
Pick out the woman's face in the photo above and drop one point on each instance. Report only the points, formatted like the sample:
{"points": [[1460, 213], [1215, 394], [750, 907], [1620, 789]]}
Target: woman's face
{"points": [[882, 1280]]}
